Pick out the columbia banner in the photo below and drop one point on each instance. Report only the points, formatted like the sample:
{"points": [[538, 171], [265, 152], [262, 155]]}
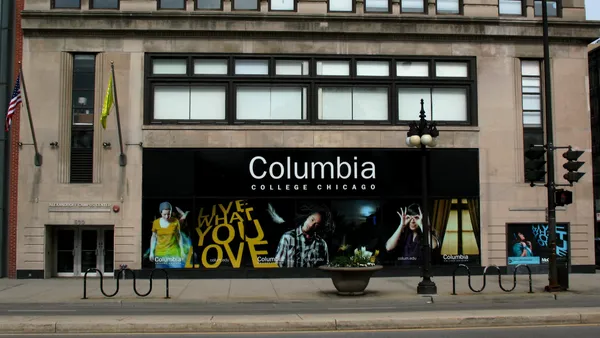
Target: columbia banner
{"points": [[264, 208]]}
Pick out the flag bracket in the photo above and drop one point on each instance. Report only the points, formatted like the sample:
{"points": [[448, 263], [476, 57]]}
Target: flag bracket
{"points": [[37, 160]]}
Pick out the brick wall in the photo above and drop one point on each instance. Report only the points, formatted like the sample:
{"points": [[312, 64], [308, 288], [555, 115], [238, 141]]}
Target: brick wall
{"points": [[13, 185]]}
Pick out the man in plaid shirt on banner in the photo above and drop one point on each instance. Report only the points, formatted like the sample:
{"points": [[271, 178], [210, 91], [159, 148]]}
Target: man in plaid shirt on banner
{"points": [[302, 246]]}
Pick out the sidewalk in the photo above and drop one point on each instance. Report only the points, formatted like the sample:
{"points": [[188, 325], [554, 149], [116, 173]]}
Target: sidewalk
{"points": [[68, 290], [299, 322]]}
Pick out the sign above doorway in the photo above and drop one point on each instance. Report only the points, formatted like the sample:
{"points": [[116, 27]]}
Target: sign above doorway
{"points": [[79, 207]]}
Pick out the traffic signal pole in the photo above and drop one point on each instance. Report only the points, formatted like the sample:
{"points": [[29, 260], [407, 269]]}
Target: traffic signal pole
{"points": [[551, 209]]}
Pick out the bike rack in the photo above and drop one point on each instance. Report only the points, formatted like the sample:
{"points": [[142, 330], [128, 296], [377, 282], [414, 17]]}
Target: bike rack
{"points": [[485, 279], [123, 271]]}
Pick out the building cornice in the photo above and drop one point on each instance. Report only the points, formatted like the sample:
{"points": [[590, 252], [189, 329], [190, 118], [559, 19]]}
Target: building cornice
{"points": [[184, 24]]}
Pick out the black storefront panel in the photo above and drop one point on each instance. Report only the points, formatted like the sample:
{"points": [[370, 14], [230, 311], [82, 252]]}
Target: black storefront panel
{"points": [[289, 207]]}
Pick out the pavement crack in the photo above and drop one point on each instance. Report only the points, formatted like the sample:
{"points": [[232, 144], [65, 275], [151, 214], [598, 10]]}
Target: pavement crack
{"points": [[11, 287], [229, 290], [211, 318], [299, 316], [275, 290]]}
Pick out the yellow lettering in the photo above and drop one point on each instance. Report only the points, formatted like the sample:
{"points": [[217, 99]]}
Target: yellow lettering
{"points": [[248, 216], [219, 256], [255, 253], [240, 205], [230, 237], [237, 217], [259, 232], [188, 263], [202, 234], [225, 211]]}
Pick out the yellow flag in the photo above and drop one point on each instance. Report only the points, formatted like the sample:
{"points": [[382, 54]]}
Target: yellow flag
{"points": [[108, 102]]}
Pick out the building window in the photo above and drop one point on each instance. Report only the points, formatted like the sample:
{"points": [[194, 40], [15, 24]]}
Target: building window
{"points": [[245, 5], [341, 5], [531, 91], [82, 122], [378, 6], [66, 4], [511, 7], [171, 4], [554, 8], [353, 103], [413, 6], [531, 98], [209, 4], [271, 103], [459, 237], [449, 6], [214, 88], [282, 5], [104, 4]]}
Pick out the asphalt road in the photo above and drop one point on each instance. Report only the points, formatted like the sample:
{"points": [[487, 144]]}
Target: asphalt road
{"points": [[579, 331], [348, 305]]}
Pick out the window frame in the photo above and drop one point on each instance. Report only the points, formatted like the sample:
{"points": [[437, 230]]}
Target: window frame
{"points": [[73, 127], [530, 130], [350, 11], [461, 9], [523, 10], [92, 7], [53, 6], [159, 8], [196, 8], [315, 98], [389, 8], [294, 9], [425, 8], [559, 8], [186, 83], [233, 99], [313, 82], [233, 9]]}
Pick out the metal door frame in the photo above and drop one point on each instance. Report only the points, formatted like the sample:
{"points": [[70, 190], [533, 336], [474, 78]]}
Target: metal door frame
{"points": [[77, 250]]}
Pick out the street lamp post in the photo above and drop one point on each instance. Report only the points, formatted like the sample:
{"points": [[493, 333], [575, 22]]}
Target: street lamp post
{"points": [[424, 134]]}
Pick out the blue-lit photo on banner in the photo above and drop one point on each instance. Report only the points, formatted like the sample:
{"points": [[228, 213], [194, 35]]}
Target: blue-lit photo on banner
{"points": [[529, 243]]}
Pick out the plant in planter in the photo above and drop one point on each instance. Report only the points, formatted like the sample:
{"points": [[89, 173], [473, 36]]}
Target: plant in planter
{"points": [[352, 271]]}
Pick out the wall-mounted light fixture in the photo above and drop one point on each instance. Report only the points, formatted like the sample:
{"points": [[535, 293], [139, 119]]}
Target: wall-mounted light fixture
{"points": [[54, 144], [106, 145]]}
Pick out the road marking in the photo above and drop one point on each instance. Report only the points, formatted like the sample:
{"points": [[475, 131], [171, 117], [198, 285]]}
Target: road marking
{"points": [[363, 308], [41, 310]]}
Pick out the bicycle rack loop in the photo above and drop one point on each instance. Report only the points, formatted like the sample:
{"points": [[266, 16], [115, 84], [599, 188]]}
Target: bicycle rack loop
{"points": [[118, 277], [485, 279]]}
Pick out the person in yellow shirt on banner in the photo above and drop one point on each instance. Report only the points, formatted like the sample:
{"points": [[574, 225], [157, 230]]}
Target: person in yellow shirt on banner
{"points": [[168, 245]]}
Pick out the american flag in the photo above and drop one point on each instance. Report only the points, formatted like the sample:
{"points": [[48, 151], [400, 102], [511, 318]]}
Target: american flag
{"points": [[14, 102]]}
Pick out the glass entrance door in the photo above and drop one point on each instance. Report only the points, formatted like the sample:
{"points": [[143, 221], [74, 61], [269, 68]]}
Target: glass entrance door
{"points": [[80, 249], [65, 252]]}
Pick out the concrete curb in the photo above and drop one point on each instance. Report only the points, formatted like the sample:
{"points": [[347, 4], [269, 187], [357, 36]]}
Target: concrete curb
{"points": [[341, 322]]}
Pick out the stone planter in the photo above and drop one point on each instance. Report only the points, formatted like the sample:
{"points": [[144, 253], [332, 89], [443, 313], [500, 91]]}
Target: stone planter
{"points": [[351, 281]]}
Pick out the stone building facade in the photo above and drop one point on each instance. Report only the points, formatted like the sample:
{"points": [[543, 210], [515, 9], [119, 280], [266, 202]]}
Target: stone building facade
{"points": [[279, 75]]}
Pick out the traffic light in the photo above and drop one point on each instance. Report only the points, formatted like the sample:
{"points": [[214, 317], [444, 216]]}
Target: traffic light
{"points": [[534, 166], [573, 165], [563, 197]]}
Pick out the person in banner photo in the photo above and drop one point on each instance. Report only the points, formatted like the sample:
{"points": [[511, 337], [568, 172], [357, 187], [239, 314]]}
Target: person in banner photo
{"points": [[169, 246], [405, 242], [303, 246], [521, 246]]}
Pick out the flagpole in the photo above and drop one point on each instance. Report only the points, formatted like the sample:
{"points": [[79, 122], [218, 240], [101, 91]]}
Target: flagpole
{"points": [[122, 156], [38, 157]]}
